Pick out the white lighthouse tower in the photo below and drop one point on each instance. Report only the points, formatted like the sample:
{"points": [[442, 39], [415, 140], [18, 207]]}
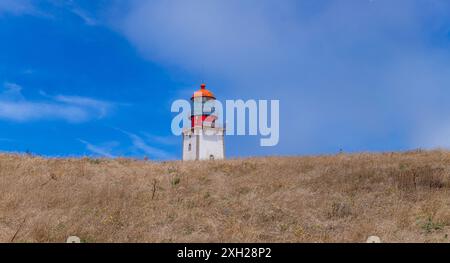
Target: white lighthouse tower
{"points": [[204, 140]]}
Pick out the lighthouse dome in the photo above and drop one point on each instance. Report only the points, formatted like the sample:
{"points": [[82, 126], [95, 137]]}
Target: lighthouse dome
{"points": [[203, 92]]}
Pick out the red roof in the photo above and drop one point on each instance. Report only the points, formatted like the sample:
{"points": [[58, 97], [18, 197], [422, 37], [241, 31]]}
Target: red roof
{"points": [[203, 92]]}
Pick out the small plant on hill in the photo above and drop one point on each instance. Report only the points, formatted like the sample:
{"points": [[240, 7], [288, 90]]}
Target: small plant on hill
{"points": [[430, 226], [339, 210], [95, 161], [175, 181]]}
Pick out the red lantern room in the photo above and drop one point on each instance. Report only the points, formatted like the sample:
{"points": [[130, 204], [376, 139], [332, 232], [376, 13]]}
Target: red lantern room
{"points": [[199, 117]]}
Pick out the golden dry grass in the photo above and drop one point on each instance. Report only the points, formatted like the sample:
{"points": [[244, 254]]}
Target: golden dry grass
{"points": [[401, 197]]}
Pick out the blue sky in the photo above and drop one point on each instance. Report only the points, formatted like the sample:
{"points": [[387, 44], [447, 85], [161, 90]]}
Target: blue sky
{"points": [[98, 77]]}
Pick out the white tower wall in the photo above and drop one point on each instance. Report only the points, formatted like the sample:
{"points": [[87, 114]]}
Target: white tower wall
{"points": [[211, 146], [189, 146], [203, 144]]}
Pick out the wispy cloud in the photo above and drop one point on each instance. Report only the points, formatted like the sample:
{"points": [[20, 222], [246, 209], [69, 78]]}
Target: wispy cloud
{"points": [[75, 8], [16, 7], [81, 13], [30, 7], [104, 150], [15, 107], [12, 91], [164, 140], [141, 144], [102, 107], [28, 71], [22, 7]]}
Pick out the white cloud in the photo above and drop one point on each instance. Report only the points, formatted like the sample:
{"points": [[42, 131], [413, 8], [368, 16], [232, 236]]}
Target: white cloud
{"points": [[16, 7], [140, 144], [30, 7], [211, 36], [81, 13], [15, 107], [102, 107], [12, 91], [22, 7], [165, 140], [103, 150]]}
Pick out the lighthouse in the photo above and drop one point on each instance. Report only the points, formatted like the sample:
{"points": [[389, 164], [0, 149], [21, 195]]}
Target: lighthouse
{"points": [[204, 139]]}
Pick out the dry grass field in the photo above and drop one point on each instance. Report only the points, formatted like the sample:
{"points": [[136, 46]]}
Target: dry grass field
{"points": [[400, 197]]}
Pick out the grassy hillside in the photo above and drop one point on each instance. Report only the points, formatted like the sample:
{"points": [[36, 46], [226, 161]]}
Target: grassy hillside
{"points": [[344, 198]]}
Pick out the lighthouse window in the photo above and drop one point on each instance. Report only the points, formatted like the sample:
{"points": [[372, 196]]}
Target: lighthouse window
{"points": [[211, 157], [189, 147]]}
